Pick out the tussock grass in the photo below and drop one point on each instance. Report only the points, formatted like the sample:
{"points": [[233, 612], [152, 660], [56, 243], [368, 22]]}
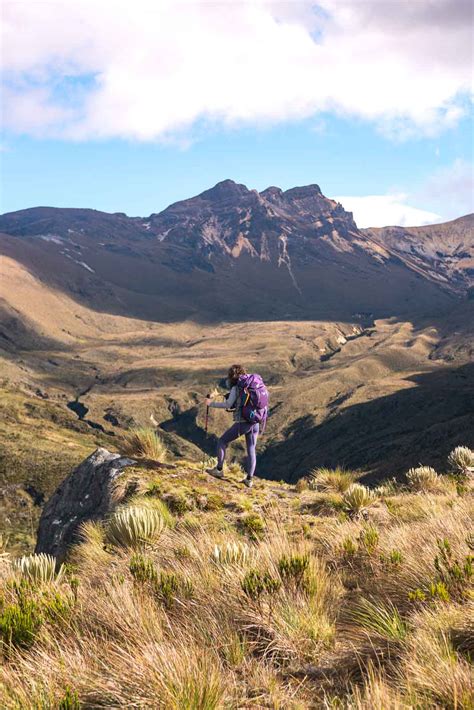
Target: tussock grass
{"points": [[381, 619], [336, 480], [256, 602], [143, 443]]}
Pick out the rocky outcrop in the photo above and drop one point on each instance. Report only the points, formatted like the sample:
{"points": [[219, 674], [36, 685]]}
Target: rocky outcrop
{"points": [[86, 494]]}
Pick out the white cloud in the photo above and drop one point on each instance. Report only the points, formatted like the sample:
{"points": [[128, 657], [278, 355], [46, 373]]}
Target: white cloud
{"points": [[453, 187], [386, 210], [153, 69]]}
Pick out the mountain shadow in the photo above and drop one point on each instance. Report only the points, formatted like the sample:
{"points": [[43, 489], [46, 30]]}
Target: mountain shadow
{"points": [[385, 436]]}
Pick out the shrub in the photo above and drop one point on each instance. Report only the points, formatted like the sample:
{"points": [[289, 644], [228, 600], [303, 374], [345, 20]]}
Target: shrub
{"points": [[234, 553], [178, 503], [21, 620], [256, 583], [349, 547], [142, 569], [417, 595], [453, 577], [170, 586], [20, 623], [55, 606], [331, 480], [129, 527], [455, 574], [40, 568], [358, 498], [438, 590], [422, 478], [143, 443], [384, 620], [293, 569], [395, 557], [154, 489], [369, 538], [69, 701], [252, 525], [461, 460]]}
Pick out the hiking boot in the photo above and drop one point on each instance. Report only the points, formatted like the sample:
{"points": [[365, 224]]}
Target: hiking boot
{"points": [[216, 472], [247, 482]]}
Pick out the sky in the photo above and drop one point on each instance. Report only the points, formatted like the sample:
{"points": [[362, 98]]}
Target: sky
{"points": [[129, 106]]}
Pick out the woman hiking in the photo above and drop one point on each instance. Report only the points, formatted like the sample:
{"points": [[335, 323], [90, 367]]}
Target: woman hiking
{"points": [[248, 399]]}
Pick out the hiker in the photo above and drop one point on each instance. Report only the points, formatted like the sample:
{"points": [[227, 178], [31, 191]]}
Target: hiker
{"points": [[248, 400]]}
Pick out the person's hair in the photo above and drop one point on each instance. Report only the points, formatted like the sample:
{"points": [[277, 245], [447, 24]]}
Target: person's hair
{"points": [[234, 373]]}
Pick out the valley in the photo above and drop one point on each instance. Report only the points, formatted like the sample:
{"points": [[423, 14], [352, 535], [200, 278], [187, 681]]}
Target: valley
{"points": [[366, 348]]}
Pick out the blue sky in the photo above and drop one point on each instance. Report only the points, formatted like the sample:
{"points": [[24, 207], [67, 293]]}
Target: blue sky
{"points": [[137, 126]]}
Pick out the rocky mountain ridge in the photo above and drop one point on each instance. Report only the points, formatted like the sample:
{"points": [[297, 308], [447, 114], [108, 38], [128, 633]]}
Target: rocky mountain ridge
{"points": [[228, 252], [444, 251]]}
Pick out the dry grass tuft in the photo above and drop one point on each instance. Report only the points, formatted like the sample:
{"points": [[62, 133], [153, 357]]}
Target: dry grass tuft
{"points": [[330, 480], [143, 443]]}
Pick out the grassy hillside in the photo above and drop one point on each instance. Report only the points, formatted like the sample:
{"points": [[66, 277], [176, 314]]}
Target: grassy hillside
{"points": [[341, 392], [319, 595]]}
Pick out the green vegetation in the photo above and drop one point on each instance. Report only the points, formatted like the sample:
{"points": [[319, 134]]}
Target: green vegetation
{"points": [[25, 608], [142, 569], [384, 620], [232, 603], [252, 525], [293, 569], [255, 583]]}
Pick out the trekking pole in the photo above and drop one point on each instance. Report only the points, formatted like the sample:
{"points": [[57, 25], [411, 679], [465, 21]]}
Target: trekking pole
{"points": [[205, 429]]}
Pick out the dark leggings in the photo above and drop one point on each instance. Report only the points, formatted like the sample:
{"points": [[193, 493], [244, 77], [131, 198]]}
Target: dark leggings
{"points": [[236, 430]]}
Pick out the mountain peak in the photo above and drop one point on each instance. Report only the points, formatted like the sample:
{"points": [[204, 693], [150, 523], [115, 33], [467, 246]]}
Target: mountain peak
{"points": [[224, 190], [303, 192], [271, 191]]}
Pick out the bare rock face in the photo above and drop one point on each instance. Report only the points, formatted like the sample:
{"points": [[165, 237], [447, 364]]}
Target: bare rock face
{"points": [[86, 494]]}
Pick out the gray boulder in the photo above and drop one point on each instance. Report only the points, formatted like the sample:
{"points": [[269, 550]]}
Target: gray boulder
{"points": [[85, 494]]}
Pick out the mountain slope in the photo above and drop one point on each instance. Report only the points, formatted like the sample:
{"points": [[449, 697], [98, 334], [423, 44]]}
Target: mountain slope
{"points": [[229, 253], [445, 252], [132, 320]]}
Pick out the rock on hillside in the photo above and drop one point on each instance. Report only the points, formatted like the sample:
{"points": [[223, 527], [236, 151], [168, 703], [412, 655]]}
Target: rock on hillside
{"points": [[85, 494]]}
